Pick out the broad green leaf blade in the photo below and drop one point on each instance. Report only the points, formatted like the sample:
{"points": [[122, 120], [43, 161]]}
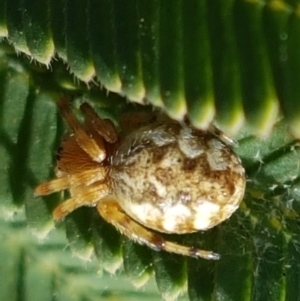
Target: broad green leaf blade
{"points": [[41, 110], [107, 244], [276, 18], [198, 80], [78, 232], [57, 16], [100, 24], [76, 39], [200, 279], [149, 26], [15, 27], [171, 70], [259, 98], [37, 30], [226, 77], [170, 274], [12, 110], [138, 262], [128, 55]]}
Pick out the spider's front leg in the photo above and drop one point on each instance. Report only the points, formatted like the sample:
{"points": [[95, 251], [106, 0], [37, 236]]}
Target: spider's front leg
{"points": [[103, 127], [111, 211], [93, 147], [73, 181], [85, 196]]}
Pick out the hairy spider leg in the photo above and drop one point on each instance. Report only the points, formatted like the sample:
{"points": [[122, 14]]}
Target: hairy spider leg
{"points": [[111, 211], [104, 127], [88, 196], [67, 181], [222, 136], [85, 141], [131, 121]]}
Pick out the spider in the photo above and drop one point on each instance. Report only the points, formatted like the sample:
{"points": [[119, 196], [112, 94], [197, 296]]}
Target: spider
{"points": [[162, 177]]}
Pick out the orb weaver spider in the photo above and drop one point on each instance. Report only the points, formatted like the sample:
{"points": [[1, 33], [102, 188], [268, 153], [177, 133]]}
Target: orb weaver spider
{"points": [[162, 177]]}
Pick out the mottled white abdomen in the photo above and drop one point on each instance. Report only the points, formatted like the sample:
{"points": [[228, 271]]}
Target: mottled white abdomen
{"points": [[175, 179]]}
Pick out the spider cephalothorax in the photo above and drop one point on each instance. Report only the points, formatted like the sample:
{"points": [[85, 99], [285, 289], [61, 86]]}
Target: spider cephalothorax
{"points": [[164, 176]]}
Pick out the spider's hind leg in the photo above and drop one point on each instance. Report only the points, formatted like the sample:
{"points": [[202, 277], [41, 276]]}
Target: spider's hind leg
{"points": [[111, 211]]}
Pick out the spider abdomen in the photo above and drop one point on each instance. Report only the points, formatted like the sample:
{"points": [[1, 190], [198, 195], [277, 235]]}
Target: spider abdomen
{"points": [[175, 179]]}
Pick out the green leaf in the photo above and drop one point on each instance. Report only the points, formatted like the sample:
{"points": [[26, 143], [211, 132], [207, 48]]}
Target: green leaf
{"points": [[36, 21]]}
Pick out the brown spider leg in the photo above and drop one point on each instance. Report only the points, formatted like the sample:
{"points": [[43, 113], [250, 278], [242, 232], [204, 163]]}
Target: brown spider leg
{"points": [[86, 197], [222, 136], [132, 121], [111, 211], [87, 143], [104, 127], [87, 177]]}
